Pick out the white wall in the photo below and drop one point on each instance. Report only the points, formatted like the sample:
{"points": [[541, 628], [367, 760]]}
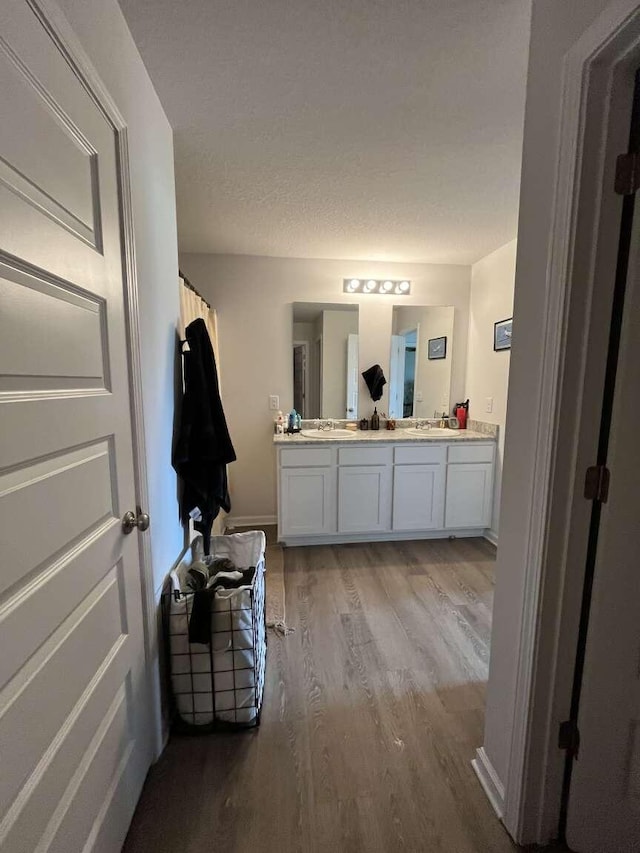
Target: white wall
{"points": [[433, 376], [555, 27], [254, 296], [492, 285]]}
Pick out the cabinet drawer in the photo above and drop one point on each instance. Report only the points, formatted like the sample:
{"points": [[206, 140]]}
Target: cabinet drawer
{"points": [[306, 457], [364, 455], [420, 455], [471, 453]]}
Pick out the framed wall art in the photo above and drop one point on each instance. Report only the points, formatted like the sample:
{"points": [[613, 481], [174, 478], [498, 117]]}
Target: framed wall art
{"points": [[502, 334], [437, 348]]}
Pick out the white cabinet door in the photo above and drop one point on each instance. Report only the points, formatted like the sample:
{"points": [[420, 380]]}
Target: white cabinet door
{"points": [[307, 501], [364, 499], [469, 495], [418, 497]]}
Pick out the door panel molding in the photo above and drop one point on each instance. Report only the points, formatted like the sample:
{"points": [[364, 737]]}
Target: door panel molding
{"points": [[69, 46], [86, 227]]}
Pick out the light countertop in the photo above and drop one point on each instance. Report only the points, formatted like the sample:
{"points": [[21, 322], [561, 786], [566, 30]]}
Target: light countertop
{"points": [[395, 436]]}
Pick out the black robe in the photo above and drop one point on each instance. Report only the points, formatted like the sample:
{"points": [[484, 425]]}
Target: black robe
{"points": [[203, 448]]}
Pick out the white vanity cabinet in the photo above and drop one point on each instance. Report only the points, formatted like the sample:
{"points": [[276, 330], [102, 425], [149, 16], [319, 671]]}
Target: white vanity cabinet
{"points": [[376, 490], [469, 491], [307, 500], [364, 489], [418, 487]]}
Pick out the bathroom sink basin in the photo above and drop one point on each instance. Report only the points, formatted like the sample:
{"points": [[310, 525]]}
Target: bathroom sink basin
{"points": [[328, 433], [434, 432]]}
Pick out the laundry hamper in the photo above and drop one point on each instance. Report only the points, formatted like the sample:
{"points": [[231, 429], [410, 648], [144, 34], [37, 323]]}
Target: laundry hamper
{"points": [[220, 684]]}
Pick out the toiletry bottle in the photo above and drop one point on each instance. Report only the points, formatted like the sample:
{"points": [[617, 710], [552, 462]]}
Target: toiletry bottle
{"points": [[298, 421], [280, 424], [292, 420], [375, 419]]}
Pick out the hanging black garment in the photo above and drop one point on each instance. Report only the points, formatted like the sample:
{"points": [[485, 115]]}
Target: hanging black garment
{"points": [[374, 377], [204, 447]]}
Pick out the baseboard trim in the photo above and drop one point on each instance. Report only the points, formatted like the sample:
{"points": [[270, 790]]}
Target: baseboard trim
{"points": [[491, 536], [250, 520], [490, 781], [390, 536]]}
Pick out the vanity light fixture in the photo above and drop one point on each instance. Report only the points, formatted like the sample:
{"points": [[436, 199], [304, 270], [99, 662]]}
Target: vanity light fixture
{"points": [[370, 285]]}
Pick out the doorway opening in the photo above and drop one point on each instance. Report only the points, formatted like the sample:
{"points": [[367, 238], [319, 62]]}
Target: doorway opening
{"points": [[409, 379], [300, 377]]}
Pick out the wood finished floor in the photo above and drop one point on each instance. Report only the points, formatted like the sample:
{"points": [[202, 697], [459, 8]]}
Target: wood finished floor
{"points": [[372, 713]]}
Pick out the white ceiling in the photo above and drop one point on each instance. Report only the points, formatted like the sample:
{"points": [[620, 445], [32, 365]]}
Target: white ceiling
{"points": [[364, 129]]}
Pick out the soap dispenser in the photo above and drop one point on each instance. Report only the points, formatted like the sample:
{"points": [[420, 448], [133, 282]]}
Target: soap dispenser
{"points": [[375, 419]]}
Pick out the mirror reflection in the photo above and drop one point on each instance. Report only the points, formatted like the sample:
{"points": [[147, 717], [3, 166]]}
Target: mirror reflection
{"points": [[325, 359], [420, 362]]}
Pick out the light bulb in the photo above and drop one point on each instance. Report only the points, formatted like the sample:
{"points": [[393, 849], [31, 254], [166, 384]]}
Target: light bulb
{"points": [[370, 285], [387, 286], [403, 287], [354, 284]]}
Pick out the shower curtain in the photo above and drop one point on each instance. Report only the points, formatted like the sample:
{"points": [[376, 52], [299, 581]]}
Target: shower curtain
{"points": [[192, 306]]}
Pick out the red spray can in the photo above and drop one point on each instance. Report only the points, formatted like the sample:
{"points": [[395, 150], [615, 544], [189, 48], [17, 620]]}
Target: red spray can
{"points": [[462, 413]]}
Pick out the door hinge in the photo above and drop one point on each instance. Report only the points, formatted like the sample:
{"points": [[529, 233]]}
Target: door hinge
{"points": [[569, 737], [627, 179], [596, 483]]}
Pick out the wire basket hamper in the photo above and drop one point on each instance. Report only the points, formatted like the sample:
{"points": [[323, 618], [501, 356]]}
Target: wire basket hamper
{"points": [[220, 684]]}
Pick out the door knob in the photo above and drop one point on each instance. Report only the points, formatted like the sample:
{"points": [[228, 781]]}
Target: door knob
{"points": [[131, 520]]}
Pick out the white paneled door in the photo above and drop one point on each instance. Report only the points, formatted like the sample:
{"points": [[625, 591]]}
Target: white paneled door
{"points": [[352, 376], [74, 742], [604, 797]]}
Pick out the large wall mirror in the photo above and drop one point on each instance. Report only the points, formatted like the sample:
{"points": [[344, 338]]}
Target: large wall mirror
{"points": [[420, 361], [325, 360]]}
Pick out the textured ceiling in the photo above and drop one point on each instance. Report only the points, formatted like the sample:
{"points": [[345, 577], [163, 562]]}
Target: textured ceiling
{"points": [[364, 129]]}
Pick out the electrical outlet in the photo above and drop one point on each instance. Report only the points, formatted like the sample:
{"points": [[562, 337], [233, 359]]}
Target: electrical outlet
{"points": [[489, 404], [274, 403]]}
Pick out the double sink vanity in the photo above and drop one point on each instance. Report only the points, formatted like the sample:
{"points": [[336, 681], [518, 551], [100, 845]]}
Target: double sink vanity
{"points": [[338, 485], [343, 486]]}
